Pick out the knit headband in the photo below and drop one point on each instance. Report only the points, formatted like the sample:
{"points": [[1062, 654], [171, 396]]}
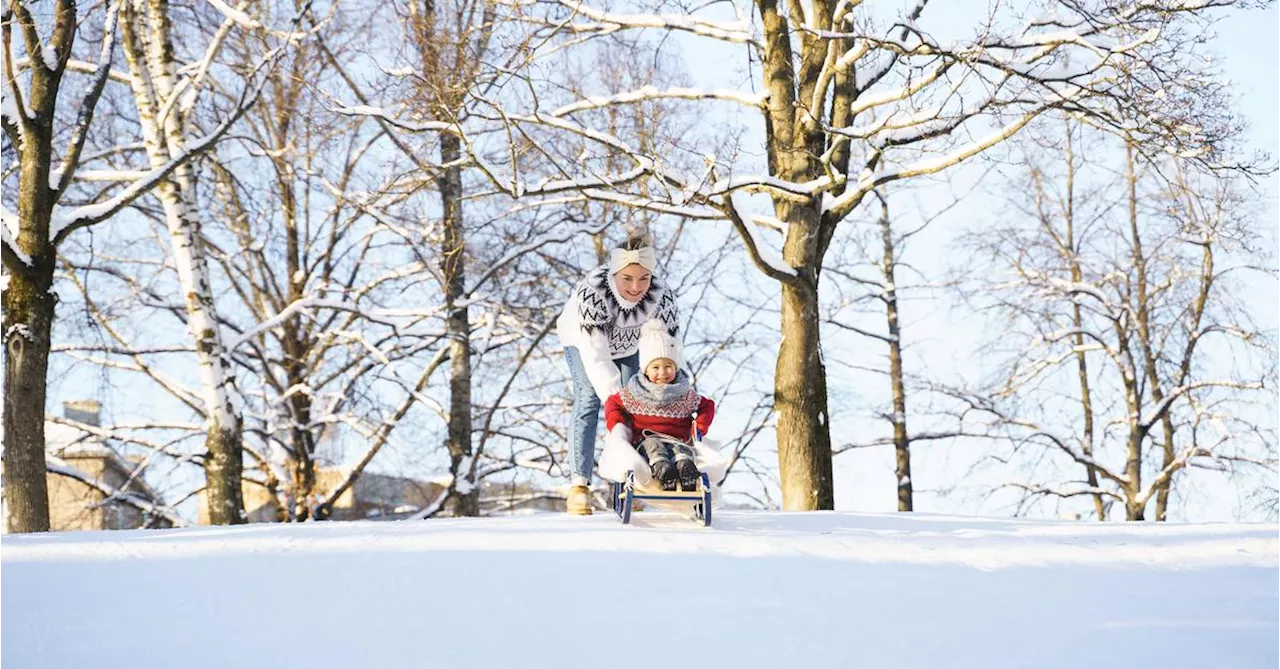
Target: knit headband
{"points": [[620, 258]]}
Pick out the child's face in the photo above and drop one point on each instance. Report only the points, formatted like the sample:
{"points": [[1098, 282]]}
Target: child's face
{"points": [[661, 371]]}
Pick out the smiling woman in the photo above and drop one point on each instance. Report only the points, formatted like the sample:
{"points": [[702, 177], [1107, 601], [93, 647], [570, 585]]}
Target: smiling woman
{"points": [[600, 331]]}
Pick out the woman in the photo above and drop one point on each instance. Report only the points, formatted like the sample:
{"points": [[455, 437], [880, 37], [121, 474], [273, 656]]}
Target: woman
{"points": [[600, 331]]}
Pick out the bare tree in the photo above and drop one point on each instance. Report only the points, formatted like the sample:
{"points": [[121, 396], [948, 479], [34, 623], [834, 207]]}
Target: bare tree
{"points": [[1132, 292], [849, 104]]}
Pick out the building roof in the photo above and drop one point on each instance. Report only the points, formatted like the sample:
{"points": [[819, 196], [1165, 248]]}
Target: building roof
{"points": [[70, 443]]}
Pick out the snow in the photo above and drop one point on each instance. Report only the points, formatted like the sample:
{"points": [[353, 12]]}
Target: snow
{"points": [[9, 110], [654, 93], [50, 56], [20, 330], [10, 227], [759, 589], [768, 254], [235, 15]]}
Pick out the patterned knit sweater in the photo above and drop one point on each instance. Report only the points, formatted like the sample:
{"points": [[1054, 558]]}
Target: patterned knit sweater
{"points": [[672, 415], [604, 327]]}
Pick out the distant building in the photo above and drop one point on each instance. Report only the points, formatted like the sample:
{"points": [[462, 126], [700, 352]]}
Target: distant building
{"points": [[372, 496], [376, 496], [76, 505]]}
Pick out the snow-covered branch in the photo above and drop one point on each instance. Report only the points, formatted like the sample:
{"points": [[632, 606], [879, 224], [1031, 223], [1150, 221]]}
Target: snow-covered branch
{"points": [[70, 221], [653, 93], [80, 132], [1154, 413], [766, 258], [608, 22], [14, 259], [395, 121]]}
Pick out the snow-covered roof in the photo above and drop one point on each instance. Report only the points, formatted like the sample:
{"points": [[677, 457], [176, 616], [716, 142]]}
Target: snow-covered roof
{"points": [[68, 443]]}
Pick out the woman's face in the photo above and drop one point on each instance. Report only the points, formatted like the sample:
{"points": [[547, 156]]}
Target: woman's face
{"points": [[633, 282]]}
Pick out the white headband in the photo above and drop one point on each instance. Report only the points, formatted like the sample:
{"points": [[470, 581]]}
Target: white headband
{"points": [[619, 259]]}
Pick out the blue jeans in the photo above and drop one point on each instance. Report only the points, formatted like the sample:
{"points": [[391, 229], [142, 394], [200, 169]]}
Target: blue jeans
{"points": [[586, 410]]}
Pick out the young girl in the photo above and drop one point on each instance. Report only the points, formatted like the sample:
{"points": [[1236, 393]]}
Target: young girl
{"points": [[659, 406]]}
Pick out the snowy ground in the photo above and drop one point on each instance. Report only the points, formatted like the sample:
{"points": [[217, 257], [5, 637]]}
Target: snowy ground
{"points": [[759, 590]]}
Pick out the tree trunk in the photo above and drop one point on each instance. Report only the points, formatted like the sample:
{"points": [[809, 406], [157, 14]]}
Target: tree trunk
{"points": [[800, 397], [901, 442], [1133, 463], [1077, 320], [466, 500], [302, 441], [800, 382], [150, 60], [28, 323], [1133, 510], [295, 343], [1143, 311]]}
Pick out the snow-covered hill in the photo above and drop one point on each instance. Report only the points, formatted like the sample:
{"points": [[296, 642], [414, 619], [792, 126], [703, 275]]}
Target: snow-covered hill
{"points": [[769, 590]]}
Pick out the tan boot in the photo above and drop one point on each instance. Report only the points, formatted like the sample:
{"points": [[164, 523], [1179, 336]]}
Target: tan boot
{"points": [[579, 501]]}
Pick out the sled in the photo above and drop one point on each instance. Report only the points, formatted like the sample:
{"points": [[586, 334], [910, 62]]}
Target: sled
{"points": [[626, 493]]}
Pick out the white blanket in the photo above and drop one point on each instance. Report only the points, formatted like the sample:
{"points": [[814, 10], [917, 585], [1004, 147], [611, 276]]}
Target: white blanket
{"points": [[620, 457]]}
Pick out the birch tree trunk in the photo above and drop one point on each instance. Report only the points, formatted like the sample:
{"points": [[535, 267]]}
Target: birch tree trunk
{"points": [[149, 52]]}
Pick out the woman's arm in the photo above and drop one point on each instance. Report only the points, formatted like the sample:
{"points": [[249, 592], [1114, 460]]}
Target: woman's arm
{"points": [[584, 325], [601, 370]]}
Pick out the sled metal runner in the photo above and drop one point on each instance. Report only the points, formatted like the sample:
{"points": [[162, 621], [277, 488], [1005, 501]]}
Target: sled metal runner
{"points": [[625, 494]]}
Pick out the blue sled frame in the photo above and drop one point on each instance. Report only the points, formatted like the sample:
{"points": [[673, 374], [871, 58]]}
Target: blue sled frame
{"points": [[625, 494]]}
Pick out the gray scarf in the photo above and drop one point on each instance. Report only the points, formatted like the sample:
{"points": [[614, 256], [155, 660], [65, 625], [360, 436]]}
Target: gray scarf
{"points": [[673, 400]]}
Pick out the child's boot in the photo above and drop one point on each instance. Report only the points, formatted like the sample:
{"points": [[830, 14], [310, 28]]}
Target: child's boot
{"points": [[665, 474], [688, 474]]}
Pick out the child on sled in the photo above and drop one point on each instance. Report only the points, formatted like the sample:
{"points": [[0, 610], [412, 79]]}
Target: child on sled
{"points": [[659, 406]]}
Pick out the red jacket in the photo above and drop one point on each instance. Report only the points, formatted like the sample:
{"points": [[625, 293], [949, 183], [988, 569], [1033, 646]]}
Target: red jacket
{"points": [[680, 427]]}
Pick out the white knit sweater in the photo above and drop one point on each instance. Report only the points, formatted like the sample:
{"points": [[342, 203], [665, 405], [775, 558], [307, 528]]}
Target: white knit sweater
{"points": [[604, 327]]}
